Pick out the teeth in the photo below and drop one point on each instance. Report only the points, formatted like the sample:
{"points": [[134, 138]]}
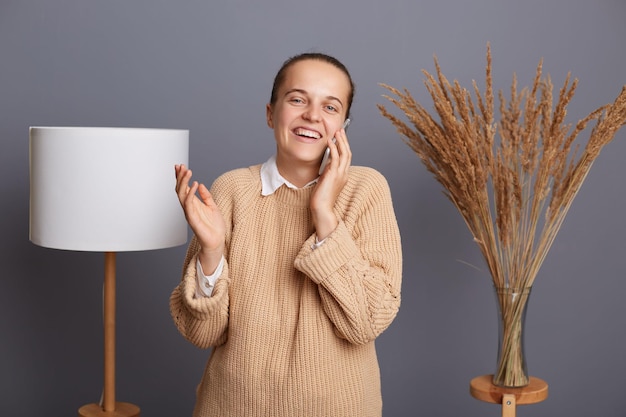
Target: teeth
{"points": [[307, 133]]}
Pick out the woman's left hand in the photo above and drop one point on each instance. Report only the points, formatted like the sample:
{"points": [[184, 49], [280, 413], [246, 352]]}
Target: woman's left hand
{"points": [[330, 184]]}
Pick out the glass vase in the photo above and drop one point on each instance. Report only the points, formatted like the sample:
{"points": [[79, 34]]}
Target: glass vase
{"points": [[511, 371]]}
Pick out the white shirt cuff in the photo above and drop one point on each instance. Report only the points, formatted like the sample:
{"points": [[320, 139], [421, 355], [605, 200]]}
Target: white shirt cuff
{"points": [[317, 243], [207, 283]]}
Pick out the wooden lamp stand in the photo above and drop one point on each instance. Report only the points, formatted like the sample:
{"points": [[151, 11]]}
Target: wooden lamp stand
{"points": [[482, 388], [110, 408]]}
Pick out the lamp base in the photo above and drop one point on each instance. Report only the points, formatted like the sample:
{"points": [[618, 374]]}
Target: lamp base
{"points": [[121, 410]]}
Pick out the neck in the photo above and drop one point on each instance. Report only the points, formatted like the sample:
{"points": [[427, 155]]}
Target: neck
{"points": [[299, 174]]}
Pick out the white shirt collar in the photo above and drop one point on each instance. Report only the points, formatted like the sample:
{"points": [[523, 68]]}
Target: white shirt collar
{"points": [[271, 179]]}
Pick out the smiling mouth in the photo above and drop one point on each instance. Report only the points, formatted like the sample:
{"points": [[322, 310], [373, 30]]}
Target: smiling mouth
{"points": [[306, 133]]}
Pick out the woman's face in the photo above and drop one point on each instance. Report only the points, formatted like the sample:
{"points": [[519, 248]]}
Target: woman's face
{"points": [[310, 107]]}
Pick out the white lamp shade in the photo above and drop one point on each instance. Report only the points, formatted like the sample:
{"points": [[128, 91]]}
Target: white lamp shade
{"points": [[106, 189]]}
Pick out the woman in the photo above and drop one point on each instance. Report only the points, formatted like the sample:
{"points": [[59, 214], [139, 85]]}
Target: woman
{"points": [[291, 275]]}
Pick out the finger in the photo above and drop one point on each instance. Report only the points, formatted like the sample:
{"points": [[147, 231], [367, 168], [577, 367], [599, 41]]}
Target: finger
{"points": [[182, 182], [188, 201], [205, 195], [343, 148], [344, 143], [179, 171], [334, 154]]}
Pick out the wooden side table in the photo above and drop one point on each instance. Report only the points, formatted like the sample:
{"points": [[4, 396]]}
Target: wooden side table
{"points": [[483, 389]]}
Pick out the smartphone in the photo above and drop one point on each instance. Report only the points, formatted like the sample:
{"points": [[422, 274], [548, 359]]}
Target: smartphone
{"points": [[327, 151]]}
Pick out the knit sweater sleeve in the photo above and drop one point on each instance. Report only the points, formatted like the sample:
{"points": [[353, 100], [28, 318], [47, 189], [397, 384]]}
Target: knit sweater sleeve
{"points": [[204, 321], [359, 267]]}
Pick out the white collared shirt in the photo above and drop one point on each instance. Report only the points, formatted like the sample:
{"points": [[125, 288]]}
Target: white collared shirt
{"points": [[271, 180]]}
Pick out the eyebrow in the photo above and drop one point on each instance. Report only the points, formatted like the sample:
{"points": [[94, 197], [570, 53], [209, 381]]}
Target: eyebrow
{"points": [[304, 92]]}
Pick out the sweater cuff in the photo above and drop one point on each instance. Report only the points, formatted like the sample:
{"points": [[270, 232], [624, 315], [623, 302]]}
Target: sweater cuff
{"points": [[201, 307], [322, 261]]}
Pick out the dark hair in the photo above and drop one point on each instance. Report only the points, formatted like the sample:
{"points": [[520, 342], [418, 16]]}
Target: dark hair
{"points": [[316, 56]]}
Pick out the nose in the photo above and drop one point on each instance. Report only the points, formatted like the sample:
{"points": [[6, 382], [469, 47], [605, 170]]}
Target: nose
{"points": [[313, 114]]}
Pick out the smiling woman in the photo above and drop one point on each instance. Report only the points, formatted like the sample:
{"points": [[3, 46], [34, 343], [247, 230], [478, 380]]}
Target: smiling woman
{"points": [[306, 111], [292, 275]]}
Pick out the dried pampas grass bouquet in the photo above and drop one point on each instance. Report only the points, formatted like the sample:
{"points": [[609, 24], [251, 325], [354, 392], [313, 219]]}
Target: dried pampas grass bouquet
{"points": [[512, 180]]}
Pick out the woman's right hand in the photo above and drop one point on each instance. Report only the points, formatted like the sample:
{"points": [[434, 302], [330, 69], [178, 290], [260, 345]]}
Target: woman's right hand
{"points": [[204, 218]]}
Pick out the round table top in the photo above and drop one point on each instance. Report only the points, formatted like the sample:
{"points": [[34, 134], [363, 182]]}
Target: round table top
{"points": [[482, 388]]}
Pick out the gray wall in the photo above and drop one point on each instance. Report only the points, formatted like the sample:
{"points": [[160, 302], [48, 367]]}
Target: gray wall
{"points": [[207, 67]]}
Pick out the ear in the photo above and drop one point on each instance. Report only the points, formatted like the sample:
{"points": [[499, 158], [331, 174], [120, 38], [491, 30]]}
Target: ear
{"points": [[268, 116]]}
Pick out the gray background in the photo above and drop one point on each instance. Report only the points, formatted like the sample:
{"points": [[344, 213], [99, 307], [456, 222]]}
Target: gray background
{"points": [[207, 67]]}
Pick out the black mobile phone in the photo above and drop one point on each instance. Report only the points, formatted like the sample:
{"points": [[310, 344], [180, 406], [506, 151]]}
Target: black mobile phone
{"points": [[327, 151]]}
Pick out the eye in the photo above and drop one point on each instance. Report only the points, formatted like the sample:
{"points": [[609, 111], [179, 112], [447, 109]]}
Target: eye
{"points": [[331, 108], [296, 100]]}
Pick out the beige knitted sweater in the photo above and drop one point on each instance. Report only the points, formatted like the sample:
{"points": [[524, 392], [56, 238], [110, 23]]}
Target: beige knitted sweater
{"points": [[292, 327]]}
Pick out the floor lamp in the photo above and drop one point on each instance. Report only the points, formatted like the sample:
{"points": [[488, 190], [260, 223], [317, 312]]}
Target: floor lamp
{"points": [[108, 190]]}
